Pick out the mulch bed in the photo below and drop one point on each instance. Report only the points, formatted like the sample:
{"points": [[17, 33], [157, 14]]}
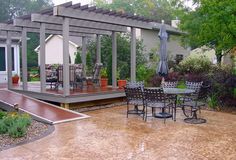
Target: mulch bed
{"points": [[35, 131]]}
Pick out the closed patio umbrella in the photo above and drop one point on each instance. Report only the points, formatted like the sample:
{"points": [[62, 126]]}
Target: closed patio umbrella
{"points": [[162, 69]]}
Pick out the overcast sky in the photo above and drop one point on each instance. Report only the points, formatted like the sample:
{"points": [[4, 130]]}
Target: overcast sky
{"points": [[56, 2], [83, 2]]}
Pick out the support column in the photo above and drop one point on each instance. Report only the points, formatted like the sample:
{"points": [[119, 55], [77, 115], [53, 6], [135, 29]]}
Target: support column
{"points": [[133, 55], [24, 59], [9, 61], [42, 58], [98, 50], [84, 50], [114, 59], [66, 74]]}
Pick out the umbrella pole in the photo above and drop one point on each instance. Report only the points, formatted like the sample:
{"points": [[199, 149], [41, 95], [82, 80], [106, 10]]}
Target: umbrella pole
{"points": [[162, 81]]}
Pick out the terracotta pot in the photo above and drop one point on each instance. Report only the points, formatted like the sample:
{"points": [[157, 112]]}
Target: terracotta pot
{"points": [[104, 82], [121, 83], [15, 80]]}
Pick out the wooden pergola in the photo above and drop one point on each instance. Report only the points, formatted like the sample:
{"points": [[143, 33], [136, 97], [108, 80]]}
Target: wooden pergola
{"points": [[72, 20]]}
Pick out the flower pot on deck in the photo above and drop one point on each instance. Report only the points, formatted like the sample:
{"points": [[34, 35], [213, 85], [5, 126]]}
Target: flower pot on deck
{"points": [[15, 79], [104, 82], [121, 83]]}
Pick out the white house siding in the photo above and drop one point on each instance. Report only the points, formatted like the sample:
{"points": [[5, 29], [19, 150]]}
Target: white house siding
{"points": [[151, 42], [3, 74], [54, 51]]}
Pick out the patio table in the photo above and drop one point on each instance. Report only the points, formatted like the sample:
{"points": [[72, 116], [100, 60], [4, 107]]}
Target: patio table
{"points": [[175, 92]]}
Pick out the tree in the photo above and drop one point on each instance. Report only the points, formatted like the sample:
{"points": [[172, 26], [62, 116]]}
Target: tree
{"points": [[78, 59], [155, 9], [212, 23], [123, 54], [13, 8]]}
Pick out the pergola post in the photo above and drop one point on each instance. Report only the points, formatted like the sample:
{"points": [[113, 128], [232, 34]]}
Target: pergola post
{"points": [[24, 58], [9, 61], [84, 50], [98, 46], [42, 58], [66, 74], [114, 59], [133, 55]]}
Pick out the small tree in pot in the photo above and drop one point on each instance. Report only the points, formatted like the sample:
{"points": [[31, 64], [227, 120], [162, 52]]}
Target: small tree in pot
{"points": [[104, 79], [121, 82]]}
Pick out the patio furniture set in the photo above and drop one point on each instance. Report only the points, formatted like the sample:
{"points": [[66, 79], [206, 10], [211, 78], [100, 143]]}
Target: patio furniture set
{"points": [[166, 98], [54, 76]]}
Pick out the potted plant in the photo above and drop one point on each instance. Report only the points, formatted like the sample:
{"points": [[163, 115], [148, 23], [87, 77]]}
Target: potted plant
{"points": [[15, 79], [104, 79], [121, 82]]}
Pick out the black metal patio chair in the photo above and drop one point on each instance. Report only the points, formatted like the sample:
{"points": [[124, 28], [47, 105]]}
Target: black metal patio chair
{"points": [[156, 99], [134, 97]]}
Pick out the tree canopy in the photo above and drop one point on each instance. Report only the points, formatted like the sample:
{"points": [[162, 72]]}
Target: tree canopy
{"points": [[155, 9], [12, 8], [212, 23]]}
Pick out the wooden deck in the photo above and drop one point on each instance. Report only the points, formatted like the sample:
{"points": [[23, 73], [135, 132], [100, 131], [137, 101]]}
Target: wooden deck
{"points": [[76, 96], [38, 109]]}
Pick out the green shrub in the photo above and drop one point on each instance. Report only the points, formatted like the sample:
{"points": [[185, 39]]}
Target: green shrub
{"points": [[2, 114], [3, 127], [181, 85], [213, 101], [194, 65], [15, 124], [18, 129], [9, 120]]}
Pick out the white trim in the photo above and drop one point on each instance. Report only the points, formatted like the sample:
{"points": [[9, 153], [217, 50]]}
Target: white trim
{"points": [[51, 36]]}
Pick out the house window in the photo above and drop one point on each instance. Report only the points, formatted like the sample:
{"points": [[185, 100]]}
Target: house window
{"points": [[2, 59], [13, 58], [179, 58]]}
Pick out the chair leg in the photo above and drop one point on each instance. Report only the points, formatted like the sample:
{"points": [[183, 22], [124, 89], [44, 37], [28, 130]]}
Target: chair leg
{"points": [[127, 110]]}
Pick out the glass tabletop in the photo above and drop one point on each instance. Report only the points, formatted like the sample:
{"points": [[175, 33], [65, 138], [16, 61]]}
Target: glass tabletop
{"points": [[175, 90], [178, 91]]}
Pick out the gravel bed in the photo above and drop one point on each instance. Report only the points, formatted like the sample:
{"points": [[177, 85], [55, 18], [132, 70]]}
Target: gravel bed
{"points": [[35, 131]]}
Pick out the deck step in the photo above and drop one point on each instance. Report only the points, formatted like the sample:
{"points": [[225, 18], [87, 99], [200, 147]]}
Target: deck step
{"points": [[40, 110]]}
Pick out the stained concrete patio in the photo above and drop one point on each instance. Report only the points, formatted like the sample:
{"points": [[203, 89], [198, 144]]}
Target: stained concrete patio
{"points": [[108, 134]]}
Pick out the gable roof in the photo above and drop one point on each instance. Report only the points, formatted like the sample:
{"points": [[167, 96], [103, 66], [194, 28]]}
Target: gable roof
{"points": [[75, 41]]}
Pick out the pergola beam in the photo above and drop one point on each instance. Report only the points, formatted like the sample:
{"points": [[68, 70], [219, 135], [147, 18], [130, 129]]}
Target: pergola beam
{"points": [[98, 17], [11, 28], [9, 61], [24, 58], [66, 54], [58, 27], [77, 23]]}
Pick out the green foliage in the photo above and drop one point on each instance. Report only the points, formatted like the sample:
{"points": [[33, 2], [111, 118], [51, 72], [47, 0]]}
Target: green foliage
{"points": [[78, 59], [89, 63], [2, 114], [144, 73], [104, 72], [3, 127], [213, 101], [181, 85], [18, 129], [15, 124], [194, 65], [123, 54], [155, 9], [12, 8], [212, 23]]}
